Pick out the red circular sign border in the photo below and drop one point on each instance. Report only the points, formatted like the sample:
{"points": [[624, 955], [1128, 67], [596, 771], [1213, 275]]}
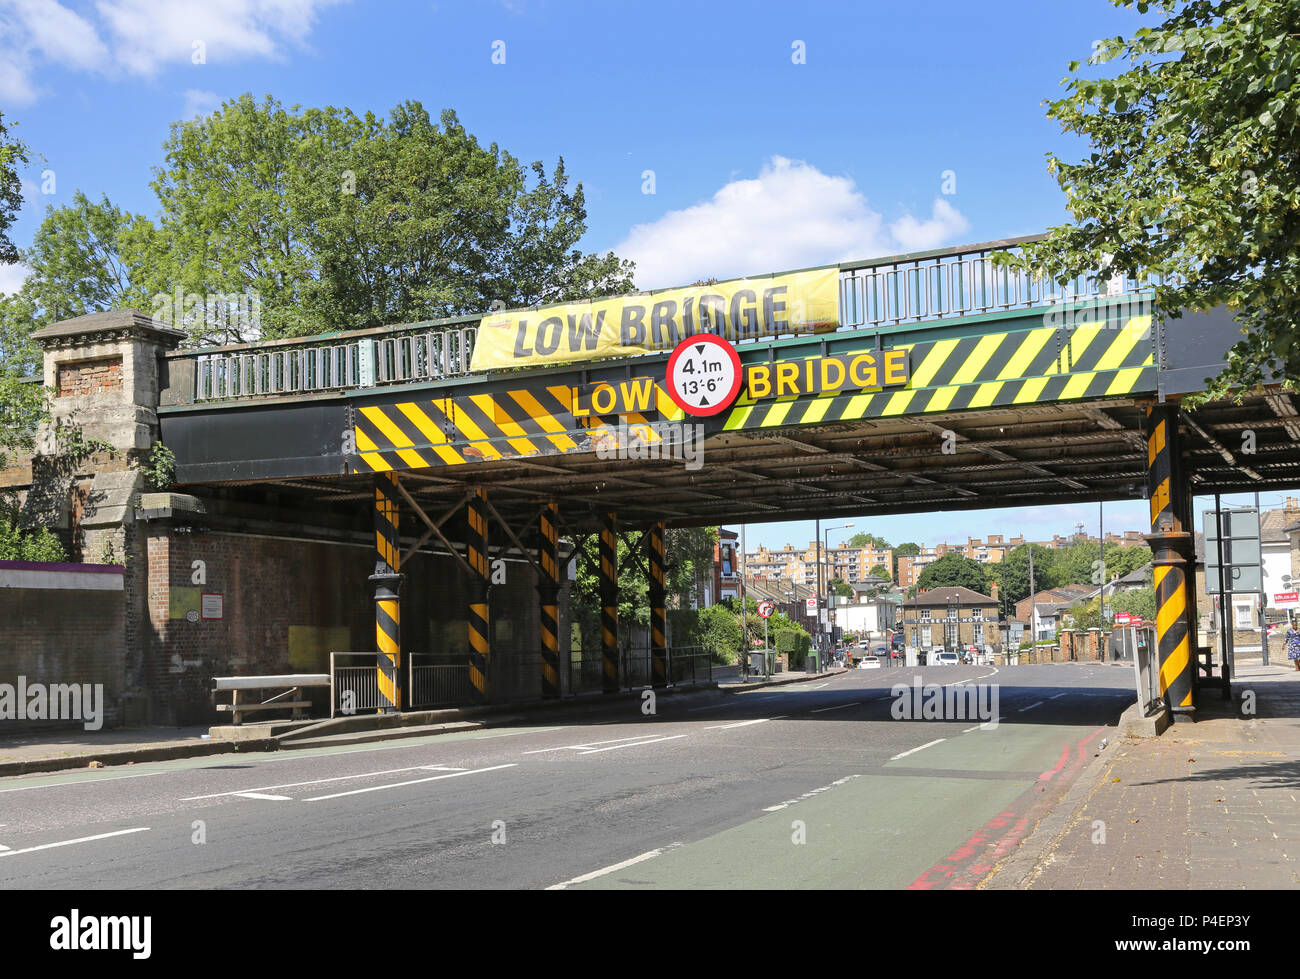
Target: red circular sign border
{"points": [[760, 607], [725, 402]]}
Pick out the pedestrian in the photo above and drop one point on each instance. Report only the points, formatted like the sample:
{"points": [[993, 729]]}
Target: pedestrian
{"points": [[1293, 645]]}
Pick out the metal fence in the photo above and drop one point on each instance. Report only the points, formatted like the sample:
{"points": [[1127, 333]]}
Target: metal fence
{"points": [[437, 681], [353, 688], [882, 292], [686, 665]]}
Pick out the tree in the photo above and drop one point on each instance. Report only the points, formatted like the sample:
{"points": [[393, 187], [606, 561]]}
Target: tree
{"points": [[77, 261], [13, 156], [880, 571], [869, 540], [337, 221], [1014, 573], [838, 586], [1194, 174], [954, 569]]}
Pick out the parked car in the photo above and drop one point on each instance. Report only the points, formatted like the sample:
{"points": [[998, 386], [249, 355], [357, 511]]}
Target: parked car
{"points": [[869, 663]]}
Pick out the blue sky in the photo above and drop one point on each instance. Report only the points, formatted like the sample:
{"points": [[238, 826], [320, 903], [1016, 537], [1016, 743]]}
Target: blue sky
{"points": [[759, 163]]}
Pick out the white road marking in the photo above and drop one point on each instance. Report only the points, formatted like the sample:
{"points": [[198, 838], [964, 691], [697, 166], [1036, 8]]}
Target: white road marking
{"points": [[1032, 706], [928, 744], [734, 703], [263, 795], [1055, 695], [726, 727], [810, 794], [587, 745], [634, 744], [649, 855], [83, 839], [417, 781], [822, 710], [319, 781], [986, 726]]}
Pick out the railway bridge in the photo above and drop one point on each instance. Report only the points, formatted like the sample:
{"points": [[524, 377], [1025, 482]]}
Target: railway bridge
{"points": [[923, 382]]}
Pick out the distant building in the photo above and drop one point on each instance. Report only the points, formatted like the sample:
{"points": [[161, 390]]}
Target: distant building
{"points": [[951, 616]]}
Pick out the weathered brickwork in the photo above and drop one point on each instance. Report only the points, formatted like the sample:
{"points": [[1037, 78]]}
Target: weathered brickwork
{"points": [[90, 377]]}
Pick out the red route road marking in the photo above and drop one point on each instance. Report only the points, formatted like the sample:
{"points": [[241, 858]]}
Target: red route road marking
{"points": [[967, 865]]}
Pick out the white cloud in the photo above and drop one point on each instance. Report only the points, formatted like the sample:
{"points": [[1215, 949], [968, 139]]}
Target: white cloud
{"points": [[945, 223], [148, 35], [141, 36], [791, 216], [199, 103], [12, 278], [42, 30]]}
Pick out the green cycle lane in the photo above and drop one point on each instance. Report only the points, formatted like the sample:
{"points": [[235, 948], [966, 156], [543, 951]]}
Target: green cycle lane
{"points": [[879, 828]]}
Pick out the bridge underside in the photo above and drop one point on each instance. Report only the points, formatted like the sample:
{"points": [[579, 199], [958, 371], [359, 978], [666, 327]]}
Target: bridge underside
{"points": [[1034, 455]]}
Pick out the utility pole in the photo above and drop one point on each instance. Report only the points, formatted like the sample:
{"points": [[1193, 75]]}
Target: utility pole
{"points": [[1033, 606], [744, 609], [819, 585]]}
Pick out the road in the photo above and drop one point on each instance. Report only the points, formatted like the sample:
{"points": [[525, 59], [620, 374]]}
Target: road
{"points": [[802, 786]]}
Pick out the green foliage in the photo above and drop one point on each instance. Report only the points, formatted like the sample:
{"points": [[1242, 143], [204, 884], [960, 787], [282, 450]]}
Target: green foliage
{"points": [[160, 468], [1194, 172], [13, 156], [1013, 575], [868, 540], [38, 545], [1139, 601], [838, 586], [719, 632], [954, 569], [880, 571]]}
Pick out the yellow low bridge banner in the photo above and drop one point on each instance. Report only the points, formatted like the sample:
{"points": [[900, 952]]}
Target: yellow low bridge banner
{"points": [[740, 309]]}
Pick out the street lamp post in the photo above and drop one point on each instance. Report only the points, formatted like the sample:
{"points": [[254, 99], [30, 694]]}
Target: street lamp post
{"points": [[821, 644]]}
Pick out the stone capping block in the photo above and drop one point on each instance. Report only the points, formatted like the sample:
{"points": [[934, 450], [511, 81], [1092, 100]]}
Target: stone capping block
{"points": [[108, 325], [170, 501]]}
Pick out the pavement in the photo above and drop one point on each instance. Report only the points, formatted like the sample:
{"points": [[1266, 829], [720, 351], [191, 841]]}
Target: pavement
{"points": [[1207, 805]]}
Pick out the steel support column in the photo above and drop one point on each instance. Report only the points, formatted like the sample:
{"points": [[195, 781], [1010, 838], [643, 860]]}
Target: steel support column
{"points": [[1172, 545], [476, 551], [548, 590], [387, 582], [658, 613], [609, 604]]}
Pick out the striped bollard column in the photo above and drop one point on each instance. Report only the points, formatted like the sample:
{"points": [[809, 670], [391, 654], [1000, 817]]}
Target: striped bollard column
{"points": [[548, 590], [387, 582], [608, 605], [476, 621], [658, 613], [1172, 551]]}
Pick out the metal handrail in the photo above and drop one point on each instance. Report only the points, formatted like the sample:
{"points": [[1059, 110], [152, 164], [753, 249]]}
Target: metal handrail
{"points": [[898, 290]]}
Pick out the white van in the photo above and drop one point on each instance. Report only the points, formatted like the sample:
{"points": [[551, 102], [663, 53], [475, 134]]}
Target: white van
{"points": [[942, 659]]}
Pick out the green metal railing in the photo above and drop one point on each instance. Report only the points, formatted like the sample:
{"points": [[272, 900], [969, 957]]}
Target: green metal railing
{"points": [[902, 289]]}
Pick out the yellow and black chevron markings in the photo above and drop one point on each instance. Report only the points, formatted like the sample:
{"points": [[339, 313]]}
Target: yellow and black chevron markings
{"points": [[658, 614], [1173, 629], [990, 370], [481, 428], [548, 589], [1015, 367], [388, 609], [476, 621], [608, 580]]}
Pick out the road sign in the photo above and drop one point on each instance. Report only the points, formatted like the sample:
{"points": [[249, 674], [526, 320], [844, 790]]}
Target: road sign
{"points": [[703, 375], [812, 606], [1123, 618], [765, 608], [1243, 570], [1286, 599]]}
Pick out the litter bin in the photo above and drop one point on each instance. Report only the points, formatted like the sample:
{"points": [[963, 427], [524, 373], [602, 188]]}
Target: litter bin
{"points": [[756, 664], [814, 662]]}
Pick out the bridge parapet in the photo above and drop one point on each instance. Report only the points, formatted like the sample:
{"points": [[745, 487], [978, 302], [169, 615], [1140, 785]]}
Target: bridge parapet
{"points": [[876, 295]]}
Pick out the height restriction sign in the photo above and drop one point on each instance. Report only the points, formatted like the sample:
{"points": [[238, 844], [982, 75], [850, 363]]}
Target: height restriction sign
{"points": [[703, 374]]}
